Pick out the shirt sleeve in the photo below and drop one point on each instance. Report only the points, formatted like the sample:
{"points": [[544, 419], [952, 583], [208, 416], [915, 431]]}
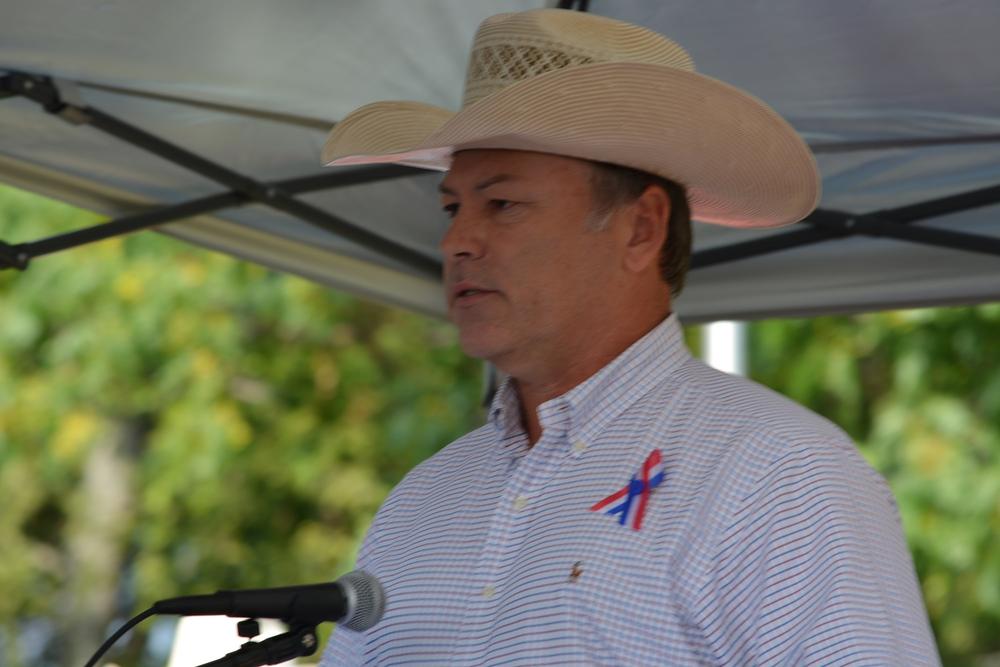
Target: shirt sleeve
{"points": [[344, 648], [809, 567]]}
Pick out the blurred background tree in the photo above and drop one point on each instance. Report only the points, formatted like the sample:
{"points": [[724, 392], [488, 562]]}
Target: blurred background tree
{"points": [[174, 421]]}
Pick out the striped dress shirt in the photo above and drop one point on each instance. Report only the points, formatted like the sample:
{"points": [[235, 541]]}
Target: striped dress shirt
{"points": [[737, 528]]}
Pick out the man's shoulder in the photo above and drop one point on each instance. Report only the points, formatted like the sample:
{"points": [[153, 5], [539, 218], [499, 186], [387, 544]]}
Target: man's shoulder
{"points": [[725, 399], [443, 476], [454, 459], [742, 436]]}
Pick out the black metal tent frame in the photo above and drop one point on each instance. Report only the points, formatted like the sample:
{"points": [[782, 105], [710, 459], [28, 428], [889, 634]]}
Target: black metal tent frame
{"points": [[821, 225]]}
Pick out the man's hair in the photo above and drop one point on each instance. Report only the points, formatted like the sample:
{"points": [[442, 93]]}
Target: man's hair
{"points": [[613, 186]]}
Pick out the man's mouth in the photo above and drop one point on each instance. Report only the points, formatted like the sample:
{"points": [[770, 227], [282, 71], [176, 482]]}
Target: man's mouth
{"points": [[469, 295]]}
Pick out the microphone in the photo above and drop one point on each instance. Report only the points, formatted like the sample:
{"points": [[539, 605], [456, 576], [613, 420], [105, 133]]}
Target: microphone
{"points": [[356, 601]]}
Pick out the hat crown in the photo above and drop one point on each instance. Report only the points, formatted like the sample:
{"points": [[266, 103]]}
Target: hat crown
{"points": [[513, 47]]}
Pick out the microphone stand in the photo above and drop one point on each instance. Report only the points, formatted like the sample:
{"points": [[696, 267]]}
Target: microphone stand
{"points": [[301, 640]]}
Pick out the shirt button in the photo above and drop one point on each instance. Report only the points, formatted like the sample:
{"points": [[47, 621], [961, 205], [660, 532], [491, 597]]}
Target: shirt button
{"points": [[579, 446], [489, 592], [520, 503]]}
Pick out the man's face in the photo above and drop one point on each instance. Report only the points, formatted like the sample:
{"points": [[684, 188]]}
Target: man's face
{"points": [[524, 275]]}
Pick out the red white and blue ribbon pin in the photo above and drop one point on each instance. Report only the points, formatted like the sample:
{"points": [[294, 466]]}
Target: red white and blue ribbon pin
{"points": [[620, 502]]}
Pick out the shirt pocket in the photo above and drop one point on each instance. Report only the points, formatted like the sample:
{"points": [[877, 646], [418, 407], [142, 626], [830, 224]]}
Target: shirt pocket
{"points": [[616, 587]]}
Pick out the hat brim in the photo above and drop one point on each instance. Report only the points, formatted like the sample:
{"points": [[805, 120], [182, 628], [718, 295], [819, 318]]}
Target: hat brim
{"points": [[742, 163]]}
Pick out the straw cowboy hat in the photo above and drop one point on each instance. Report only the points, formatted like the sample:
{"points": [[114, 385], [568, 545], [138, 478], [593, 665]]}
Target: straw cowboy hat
{"points": [[585, 86]]}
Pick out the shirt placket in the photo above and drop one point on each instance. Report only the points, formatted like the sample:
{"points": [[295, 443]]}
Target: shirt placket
{"points": [[526, 481]]}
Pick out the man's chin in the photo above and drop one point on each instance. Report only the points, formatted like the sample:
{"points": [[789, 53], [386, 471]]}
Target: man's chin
{"points": [[481, 344]]}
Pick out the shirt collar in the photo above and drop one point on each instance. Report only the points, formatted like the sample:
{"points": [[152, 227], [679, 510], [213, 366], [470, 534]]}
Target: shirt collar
{"points": [[587, 408], [505, 410]]}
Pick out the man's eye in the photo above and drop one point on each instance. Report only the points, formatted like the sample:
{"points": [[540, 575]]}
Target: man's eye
{"points": [[501, 204], [450, 209]]}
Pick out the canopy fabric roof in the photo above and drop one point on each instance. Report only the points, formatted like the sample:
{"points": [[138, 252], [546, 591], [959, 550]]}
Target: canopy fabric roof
{"points": [[900, 100]]}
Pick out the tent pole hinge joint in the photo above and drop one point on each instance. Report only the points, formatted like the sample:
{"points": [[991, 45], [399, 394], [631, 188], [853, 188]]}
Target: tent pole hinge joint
{"points": [[838, 227], [44, 91], [13, 257]]}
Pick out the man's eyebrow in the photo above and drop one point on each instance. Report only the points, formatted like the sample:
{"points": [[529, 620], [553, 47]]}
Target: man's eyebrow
{"points": [[492, 180]]}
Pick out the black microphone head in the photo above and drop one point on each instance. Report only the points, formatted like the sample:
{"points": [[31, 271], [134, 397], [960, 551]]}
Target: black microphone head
{"points": [[365, 600]]}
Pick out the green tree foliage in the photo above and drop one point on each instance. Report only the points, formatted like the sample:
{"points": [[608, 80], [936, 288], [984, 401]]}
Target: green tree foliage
{"points": [[174, 421], [920, 392]]}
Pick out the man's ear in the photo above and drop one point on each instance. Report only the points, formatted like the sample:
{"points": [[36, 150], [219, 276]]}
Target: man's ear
{"points": [[647, 228]]}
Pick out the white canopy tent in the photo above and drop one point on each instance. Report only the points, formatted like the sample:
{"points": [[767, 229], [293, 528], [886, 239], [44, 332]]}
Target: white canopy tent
{"points": [[208, 118]]}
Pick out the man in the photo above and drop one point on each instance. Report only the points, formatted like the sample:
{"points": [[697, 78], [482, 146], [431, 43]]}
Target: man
{"points": [[624, 504]]}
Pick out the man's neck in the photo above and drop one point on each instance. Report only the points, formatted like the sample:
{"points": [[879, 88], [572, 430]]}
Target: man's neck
{"points": [[533, 389]]}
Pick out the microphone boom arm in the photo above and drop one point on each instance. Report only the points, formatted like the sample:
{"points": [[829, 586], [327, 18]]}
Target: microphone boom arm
{"points": [[297, 642]]}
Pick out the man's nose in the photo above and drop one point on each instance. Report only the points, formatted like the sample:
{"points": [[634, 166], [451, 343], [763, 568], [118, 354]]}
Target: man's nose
{"points": [[465, 238]]}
